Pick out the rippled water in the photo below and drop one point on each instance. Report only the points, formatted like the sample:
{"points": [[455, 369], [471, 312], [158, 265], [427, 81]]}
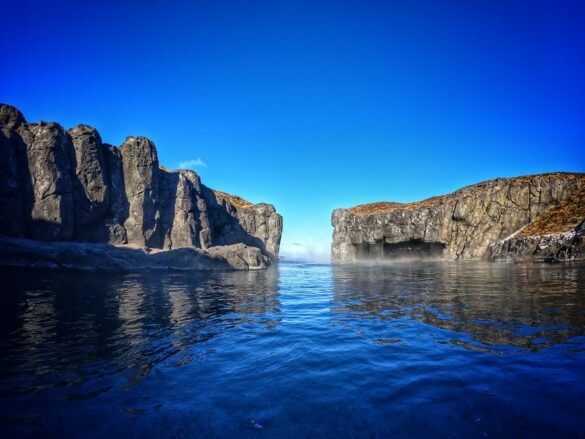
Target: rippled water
{"points": [[428, 349]]}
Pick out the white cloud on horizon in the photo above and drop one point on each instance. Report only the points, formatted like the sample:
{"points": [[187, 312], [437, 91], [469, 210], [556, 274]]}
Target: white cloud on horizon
{"points": [[195, 163]]}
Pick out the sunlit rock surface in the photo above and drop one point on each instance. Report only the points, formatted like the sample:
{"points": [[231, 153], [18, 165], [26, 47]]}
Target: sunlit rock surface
{"points": [[557, 234], [464, 224], [27, 253], [66, 185], [555, 247]]}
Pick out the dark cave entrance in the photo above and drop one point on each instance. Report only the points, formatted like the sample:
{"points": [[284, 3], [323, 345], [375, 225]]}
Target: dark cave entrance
{"points": [[414, 248]]}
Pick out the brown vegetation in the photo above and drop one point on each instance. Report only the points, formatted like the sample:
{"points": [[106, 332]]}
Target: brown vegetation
{"points": [[385, 206], [233, 199], [562, 218]]}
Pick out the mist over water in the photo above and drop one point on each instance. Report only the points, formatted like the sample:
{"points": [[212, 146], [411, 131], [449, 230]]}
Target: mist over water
{"points": [[395, 348]]}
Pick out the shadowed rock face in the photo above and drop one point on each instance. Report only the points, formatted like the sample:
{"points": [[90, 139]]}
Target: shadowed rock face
{"points": [[58, 185], [461, 225], [12, 219], [91, 190]]}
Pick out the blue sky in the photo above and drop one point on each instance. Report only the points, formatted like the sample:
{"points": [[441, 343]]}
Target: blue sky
{"points": [[313, 105]]}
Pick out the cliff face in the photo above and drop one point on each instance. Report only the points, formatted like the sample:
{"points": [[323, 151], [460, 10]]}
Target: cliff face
{"points": [[557, 234], [461, 225], [67, 185]]}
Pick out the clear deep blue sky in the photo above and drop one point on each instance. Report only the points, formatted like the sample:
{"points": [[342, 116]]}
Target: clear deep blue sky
{"points": [[313, 105]]}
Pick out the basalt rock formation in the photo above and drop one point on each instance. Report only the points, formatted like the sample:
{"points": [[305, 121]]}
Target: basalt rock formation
{"points": [[482, 221], [67, 185], [557, 234]]}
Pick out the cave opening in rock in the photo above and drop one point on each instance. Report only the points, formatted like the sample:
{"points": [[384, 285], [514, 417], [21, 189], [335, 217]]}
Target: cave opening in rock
{"points": [[414, 248]]}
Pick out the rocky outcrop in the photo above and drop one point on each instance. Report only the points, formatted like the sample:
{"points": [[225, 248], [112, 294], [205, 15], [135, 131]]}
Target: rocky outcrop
{"points": [[461, 225], [259, 222], [555, 235], [554, 247], [67, 185], [31, 254]]}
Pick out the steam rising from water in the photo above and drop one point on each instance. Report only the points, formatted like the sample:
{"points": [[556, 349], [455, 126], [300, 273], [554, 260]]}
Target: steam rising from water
{"points": [[306, 252], [398, 261]]}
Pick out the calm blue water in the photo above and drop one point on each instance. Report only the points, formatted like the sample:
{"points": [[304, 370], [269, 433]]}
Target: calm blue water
{"points": [[429, 349]]}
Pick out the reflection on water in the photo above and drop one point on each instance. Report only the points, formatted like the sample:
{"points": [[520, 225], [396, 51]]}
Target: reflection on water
{"points": [[488, 306], [469, 349], [58, 323]]}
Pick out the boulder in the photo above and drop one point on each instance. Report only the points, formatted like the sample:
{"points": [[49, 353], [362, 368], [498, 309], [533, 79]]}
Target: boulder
{"points": [[240, 256]]}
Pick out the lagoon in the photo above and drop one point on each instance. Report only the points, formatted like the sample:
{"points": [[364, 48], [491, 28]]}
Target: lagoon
{"points": [[468, 349]]}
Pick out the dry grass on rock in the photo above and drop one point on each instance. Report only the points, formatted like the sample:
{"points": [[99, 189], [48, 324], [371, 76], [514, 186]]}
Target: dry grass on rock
{"points": [[562, 218], [233, 199]]}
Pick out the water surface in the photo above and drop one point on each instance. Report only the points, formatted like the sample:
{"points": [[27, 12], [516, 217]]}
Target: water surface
{"points": [[443, 349]]}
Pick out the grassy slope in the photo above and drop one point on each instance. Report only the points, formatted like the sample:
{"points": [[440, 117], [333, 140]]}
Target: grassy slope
{"points": [[561, 218], [233, 199]]}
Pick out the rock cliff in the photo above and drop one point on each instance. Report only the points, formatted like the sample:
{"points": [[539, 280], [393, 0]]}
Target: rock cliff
{"points": [[67, 185], [557, 234], [461, 225]]}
